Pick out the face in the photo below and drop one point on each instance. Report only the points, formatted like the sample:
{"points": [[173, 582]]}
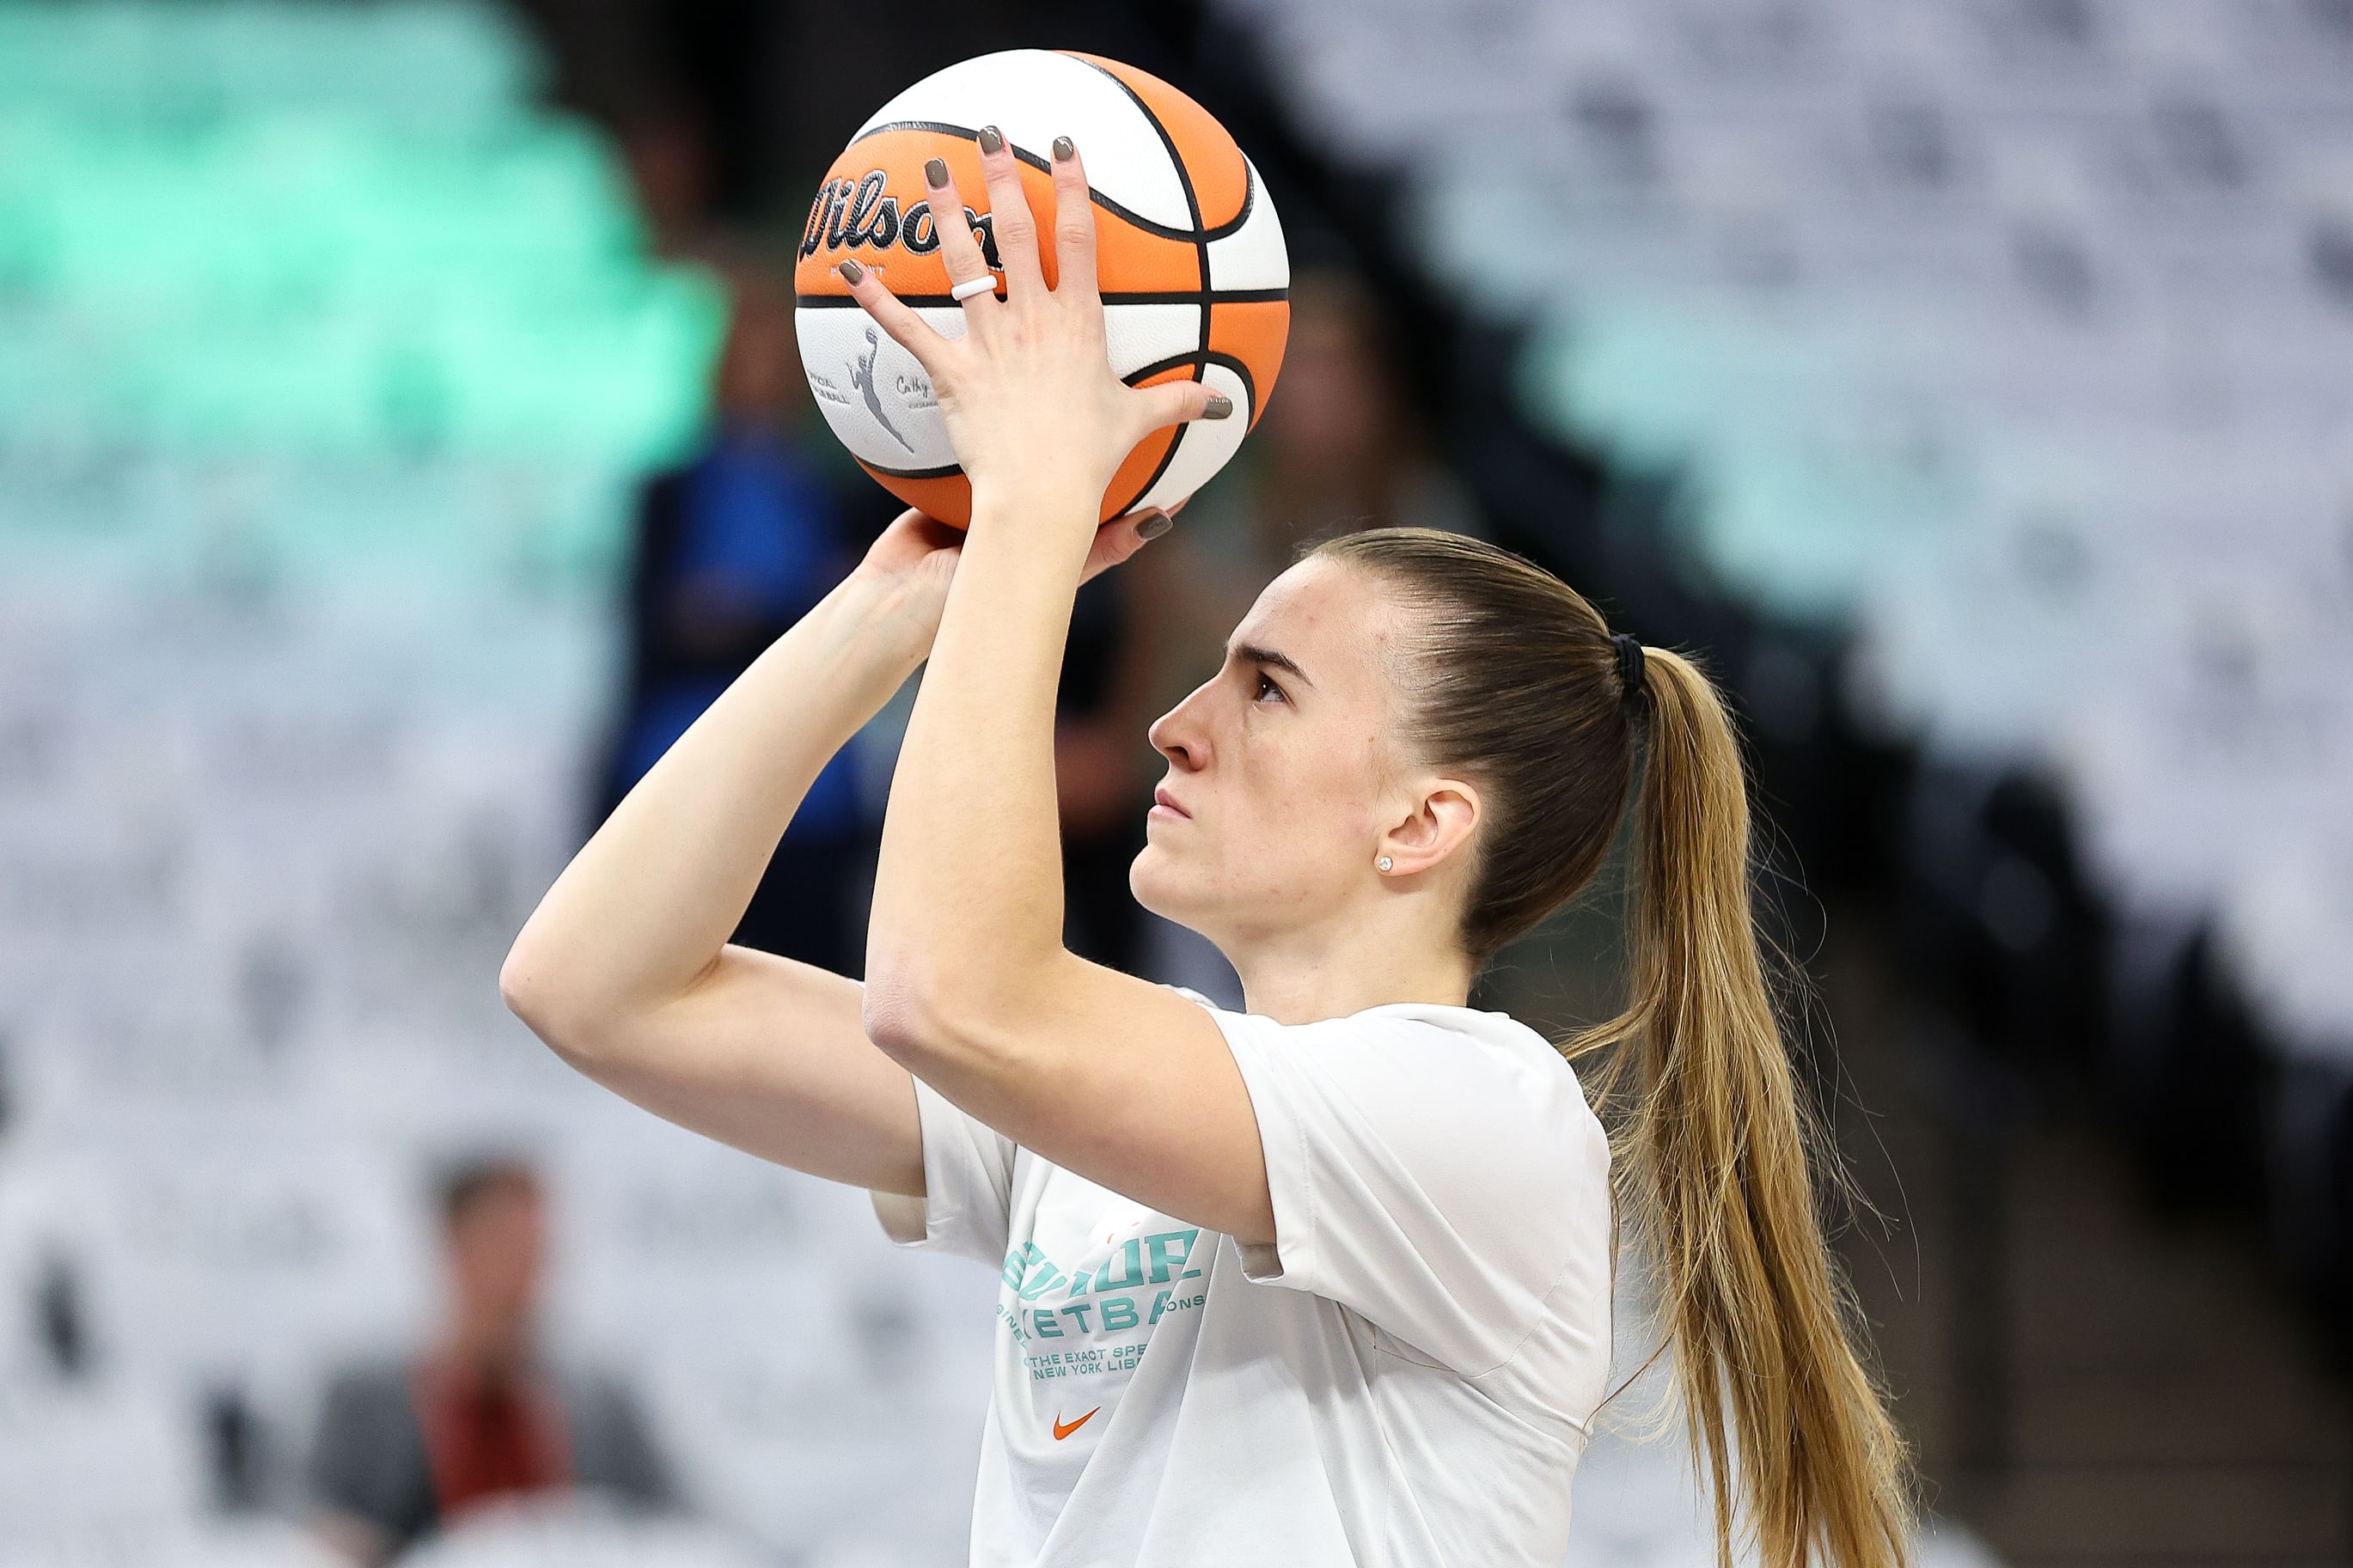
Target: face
{"points": [[1285, 775], [495, 1250]]}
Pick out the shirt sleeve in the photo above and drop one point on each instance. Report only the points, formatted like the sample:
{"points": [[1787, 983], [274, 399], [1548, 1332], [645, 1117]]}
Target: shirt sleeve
{"points": [[966, 1206], [1436, 1183]]}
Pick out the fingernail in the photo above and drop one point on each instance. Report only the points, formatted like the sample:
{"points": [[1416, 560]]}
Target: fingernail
{"points": [[1154, 526], [1064, 151], [1219, 405], [852, 270], [936, 173], [991, 139]]}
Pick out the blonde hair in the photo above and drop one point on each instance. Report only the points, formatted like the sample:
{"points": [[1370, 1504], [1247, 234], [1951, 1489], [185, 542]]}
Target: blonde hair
{"points": [[1514, 681]]}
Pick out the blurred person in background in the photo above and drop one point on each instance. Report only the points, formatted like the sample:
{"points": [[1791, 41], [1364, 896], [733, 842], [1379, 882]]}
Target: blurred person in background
{"points": [[479, 1415], [732, 548]]}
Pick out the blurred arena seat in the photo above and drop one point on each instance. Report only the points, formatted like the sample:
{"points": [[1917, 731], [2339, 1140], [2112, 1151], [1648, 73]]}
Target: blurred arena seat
{"points": [[335, 359], [577, 1533]]}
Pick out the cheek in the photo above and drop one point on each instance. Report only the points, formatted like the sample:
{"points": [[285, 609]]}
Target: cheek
{"points": [[1307, 817]]}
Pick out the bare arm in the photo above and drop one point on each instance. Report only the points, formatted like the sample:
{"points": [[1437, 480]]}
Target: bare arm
{"points": [[625, 969], [770, 1056]]}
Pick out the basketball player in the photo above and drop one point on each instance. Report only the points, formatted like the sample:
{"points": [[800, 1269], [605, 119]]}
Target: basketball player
{"points": [[1323, 1282]]}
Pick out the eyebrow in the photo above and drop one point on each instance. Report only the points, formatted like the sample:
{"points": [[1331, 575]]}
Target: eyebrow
{"points": [[1251, 653]]}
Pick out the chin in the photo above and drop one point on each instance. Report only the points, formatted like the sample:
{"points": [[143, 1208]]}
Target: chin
{"points": [[1153, 882]]}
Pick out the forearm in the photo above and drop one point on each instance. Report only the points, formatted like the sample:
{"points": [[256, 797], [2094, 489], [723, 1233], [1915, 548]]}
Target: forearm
{"points": [[968, 887], [644, 907]]}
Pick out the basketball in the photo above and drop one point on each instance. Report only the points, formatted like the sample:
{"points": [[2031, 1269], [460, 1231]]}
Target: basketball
{"points": [[1191, 262]]}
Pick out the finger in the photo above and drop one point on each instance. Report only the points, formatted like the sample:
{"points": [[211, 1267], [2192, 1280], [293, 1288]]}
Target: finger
{"points": [[1074, 223], [908, 329], [1009, 217], [923, 527], [960, 250], [1121, 537], [1179, 402]]}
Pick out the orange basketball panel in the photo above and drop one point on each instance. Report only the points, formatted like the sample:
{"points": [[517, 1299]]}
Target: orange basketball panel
{"points": [[947, 498], [1130, 260], [1142, 465], [1254, 331]]}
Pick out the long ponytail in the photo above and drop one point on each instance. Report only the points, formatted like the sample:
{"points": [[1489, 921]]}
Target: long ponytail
{"points": [[1710, 1161], [1514, 678]]}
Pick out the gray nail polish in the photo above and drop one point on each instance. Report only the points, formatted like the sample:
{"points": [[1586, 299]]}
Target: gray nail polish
{"points": [[991, 139], [1219, 406], [1064, 149], [1153, 527], [936, 173], [852, 270]]}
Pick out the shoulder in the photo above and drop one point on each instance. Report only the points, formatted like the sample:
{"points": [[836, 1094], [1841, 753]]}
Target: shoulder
{"points": [[1467, 1072]]}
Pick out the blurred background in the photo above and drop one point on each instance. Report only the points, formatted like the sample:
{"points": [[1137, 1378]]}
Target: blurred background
{"points": [[402, 439]]}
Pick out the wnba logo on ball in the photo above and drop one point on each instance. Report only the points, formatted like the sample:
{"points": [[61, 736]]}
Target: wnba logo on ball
{"points": [[854, 213]]}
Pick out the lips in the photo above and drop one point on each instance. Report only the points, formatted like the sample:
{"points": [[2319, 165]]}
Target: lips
{"points": [[1162, 797]]}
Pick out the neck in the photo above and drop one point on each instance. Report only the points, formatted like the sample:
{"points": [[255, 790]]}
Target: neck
{"points": [[1298, 976]]}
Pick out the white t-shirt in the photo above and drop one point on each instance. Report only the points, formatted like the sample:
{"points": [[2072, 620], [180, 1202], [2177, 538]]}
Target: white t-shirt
{"points": [[1409, 1384]]}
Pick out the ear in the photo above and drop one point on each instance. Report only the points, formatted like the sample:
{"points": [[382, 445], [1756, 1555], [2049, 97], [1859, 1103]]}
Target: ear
{"points": [[1440, 826]]}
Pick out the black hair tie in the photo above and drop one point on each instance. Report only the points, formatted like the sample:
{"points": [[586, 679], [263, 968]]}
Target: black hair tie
{"points": [[1630, 663]]}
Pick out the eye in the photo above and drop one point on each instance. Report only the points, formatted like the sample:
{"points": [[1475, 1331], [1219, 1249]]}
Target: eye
{"points": [[1264, 686]]}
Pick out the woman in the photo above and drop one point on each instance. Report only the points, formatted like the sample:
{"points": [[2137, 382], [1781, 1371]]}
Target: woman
{"points": [[1323, 1282]]}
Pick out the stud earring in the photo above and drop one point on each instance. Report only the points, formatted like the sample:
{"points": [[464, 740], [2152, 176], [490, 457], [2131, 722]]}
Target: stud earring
{"points": [[1384, 862]]}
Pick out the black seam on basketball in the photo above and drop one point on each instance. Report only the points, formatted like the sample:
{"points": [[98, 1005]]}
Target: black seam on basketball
{"points": [[1192, 201], [1139, 297], [1153, 479], [1176, 162], [1201, 361], [1138, 219], [951, 472], [1249, 200], [1249, 181]]}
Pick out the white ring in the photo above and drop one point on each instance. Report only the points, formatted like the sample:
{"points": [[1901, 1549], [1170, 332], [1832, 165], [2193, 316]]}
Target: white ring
{"points": [[984, 284]]}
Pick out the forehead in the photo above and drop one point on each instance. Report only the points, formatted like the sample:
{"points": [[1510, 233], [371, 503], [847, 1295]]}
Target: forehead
{"points": [[1329, 617]]}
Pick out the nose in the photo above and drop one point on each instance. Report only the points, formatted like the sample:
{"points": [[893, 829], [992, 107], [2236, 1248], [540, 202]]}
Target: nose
{"points": [[1179, 735]]}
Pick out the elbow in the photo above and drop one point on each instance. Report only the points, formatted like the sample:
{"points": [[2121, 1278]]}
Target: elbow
{"points": [[921, 994], [899, 1015], [534, 994], [912, 1012], [518, 987]]}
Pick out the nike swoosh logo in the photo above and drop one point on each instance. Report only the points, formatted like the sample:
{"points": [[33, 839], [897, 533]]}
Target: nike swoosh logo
{"points": [[1062, 1431]]}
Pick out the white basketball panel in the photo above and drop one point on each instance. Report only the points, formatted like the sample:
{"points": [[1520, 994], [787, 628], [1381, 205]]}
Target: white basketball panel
{"points": [[1253, 257], [1139, 335], [1207, 445], [1036, 95]]}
